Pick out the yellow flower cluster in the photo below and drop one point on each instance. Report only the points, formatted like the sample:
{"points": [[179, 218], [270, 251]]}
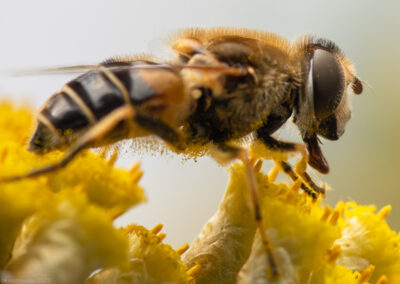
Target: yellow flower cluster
{"points": [[58, 228]]}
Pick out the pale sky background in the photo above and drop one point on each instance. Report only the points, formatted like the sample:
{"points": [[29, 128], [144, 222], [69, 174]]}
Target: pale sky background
{"points": [[365, 162]]}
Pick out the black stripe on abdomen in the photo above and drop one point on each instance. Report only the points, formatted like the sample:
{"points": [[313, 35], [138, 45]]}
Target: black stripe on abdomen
{"points": [[64, 113], [99, 94]]}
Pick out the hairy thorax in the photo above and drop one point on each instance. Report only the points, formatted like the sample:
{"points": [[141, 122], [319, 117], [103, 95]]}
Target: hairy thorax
{"points": [[228, 107]]}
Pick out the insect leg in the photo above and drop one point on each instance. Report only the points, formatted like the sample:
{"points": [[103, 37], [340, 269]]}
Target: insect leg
{"points": [[277, 145], [287, 168], [161, 129], [95, 133], [242, 154]]}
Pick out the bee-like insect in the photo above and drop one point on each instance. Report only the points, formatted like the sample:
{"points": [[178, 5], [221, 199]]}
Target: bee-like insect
{"points": [[222, 85]]}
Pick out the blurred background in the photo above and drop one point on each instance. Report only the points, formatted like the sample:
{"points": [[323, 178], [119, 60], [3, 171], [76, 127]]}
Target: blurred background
{"points": [[365, 162]]}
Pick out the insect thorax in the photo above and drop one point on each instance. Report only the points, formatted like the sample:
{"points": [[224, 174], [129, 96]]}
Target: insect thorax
{"points": [[242, 108]]}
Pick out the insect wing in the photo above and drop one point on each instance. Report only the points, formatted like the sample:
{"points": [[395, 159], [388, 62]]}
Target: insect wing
{"points": [[79, 69]]}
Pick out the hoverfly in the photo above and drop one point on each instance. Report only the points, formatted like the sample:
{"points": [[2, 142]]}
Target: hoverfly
{"points": [[223, 84]]}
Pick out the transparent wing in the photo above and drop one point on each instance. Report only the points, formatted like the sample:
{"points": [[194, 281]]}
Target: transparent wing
{"points": [[62, 70], [119, 66]]}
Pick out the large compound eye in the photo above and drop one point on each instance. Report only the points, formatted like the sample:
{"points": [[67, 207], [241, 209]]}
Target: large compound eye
{"points": [[327, 82]]}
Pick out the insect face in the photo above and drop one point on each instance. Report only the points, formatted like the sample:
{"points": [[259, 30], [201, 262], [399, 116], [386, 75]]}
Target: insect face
{"points": [[324, 100]]}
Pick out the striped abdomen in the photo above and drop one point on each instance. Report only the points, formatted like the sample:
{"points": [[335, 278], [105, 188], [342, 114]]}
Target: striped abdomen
{"points": [[85, 100]]}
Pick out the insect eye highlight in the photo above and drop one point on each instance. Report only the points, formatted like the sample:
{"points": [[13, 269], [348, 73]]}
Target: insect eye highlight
{"points": [[328, 82]]}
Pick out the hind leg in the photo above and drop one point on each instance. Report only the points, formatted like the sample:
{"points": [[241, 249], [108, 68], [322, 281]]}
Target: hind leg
{"points": [[242, 154], [95, 133], [104, 127]]}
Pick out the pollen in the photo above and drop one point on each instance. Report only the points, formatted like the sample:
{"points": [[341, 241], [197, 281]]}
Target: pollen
{"points": [[61, 225]]}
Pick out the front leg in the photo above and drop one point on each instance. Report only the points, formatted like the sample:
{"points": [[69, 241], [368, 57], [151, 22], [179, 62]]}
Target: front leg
{"points": [[276, 145]]}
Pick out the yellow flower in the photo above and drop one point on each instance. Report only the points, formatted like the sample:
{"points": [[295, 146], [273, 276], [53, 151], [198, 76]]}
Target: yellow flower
{"points": [[66, 216], [57, 228], [307, 239], [150, 261], [367, 239], [16, 204], [106, 186], [66, 241]]}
